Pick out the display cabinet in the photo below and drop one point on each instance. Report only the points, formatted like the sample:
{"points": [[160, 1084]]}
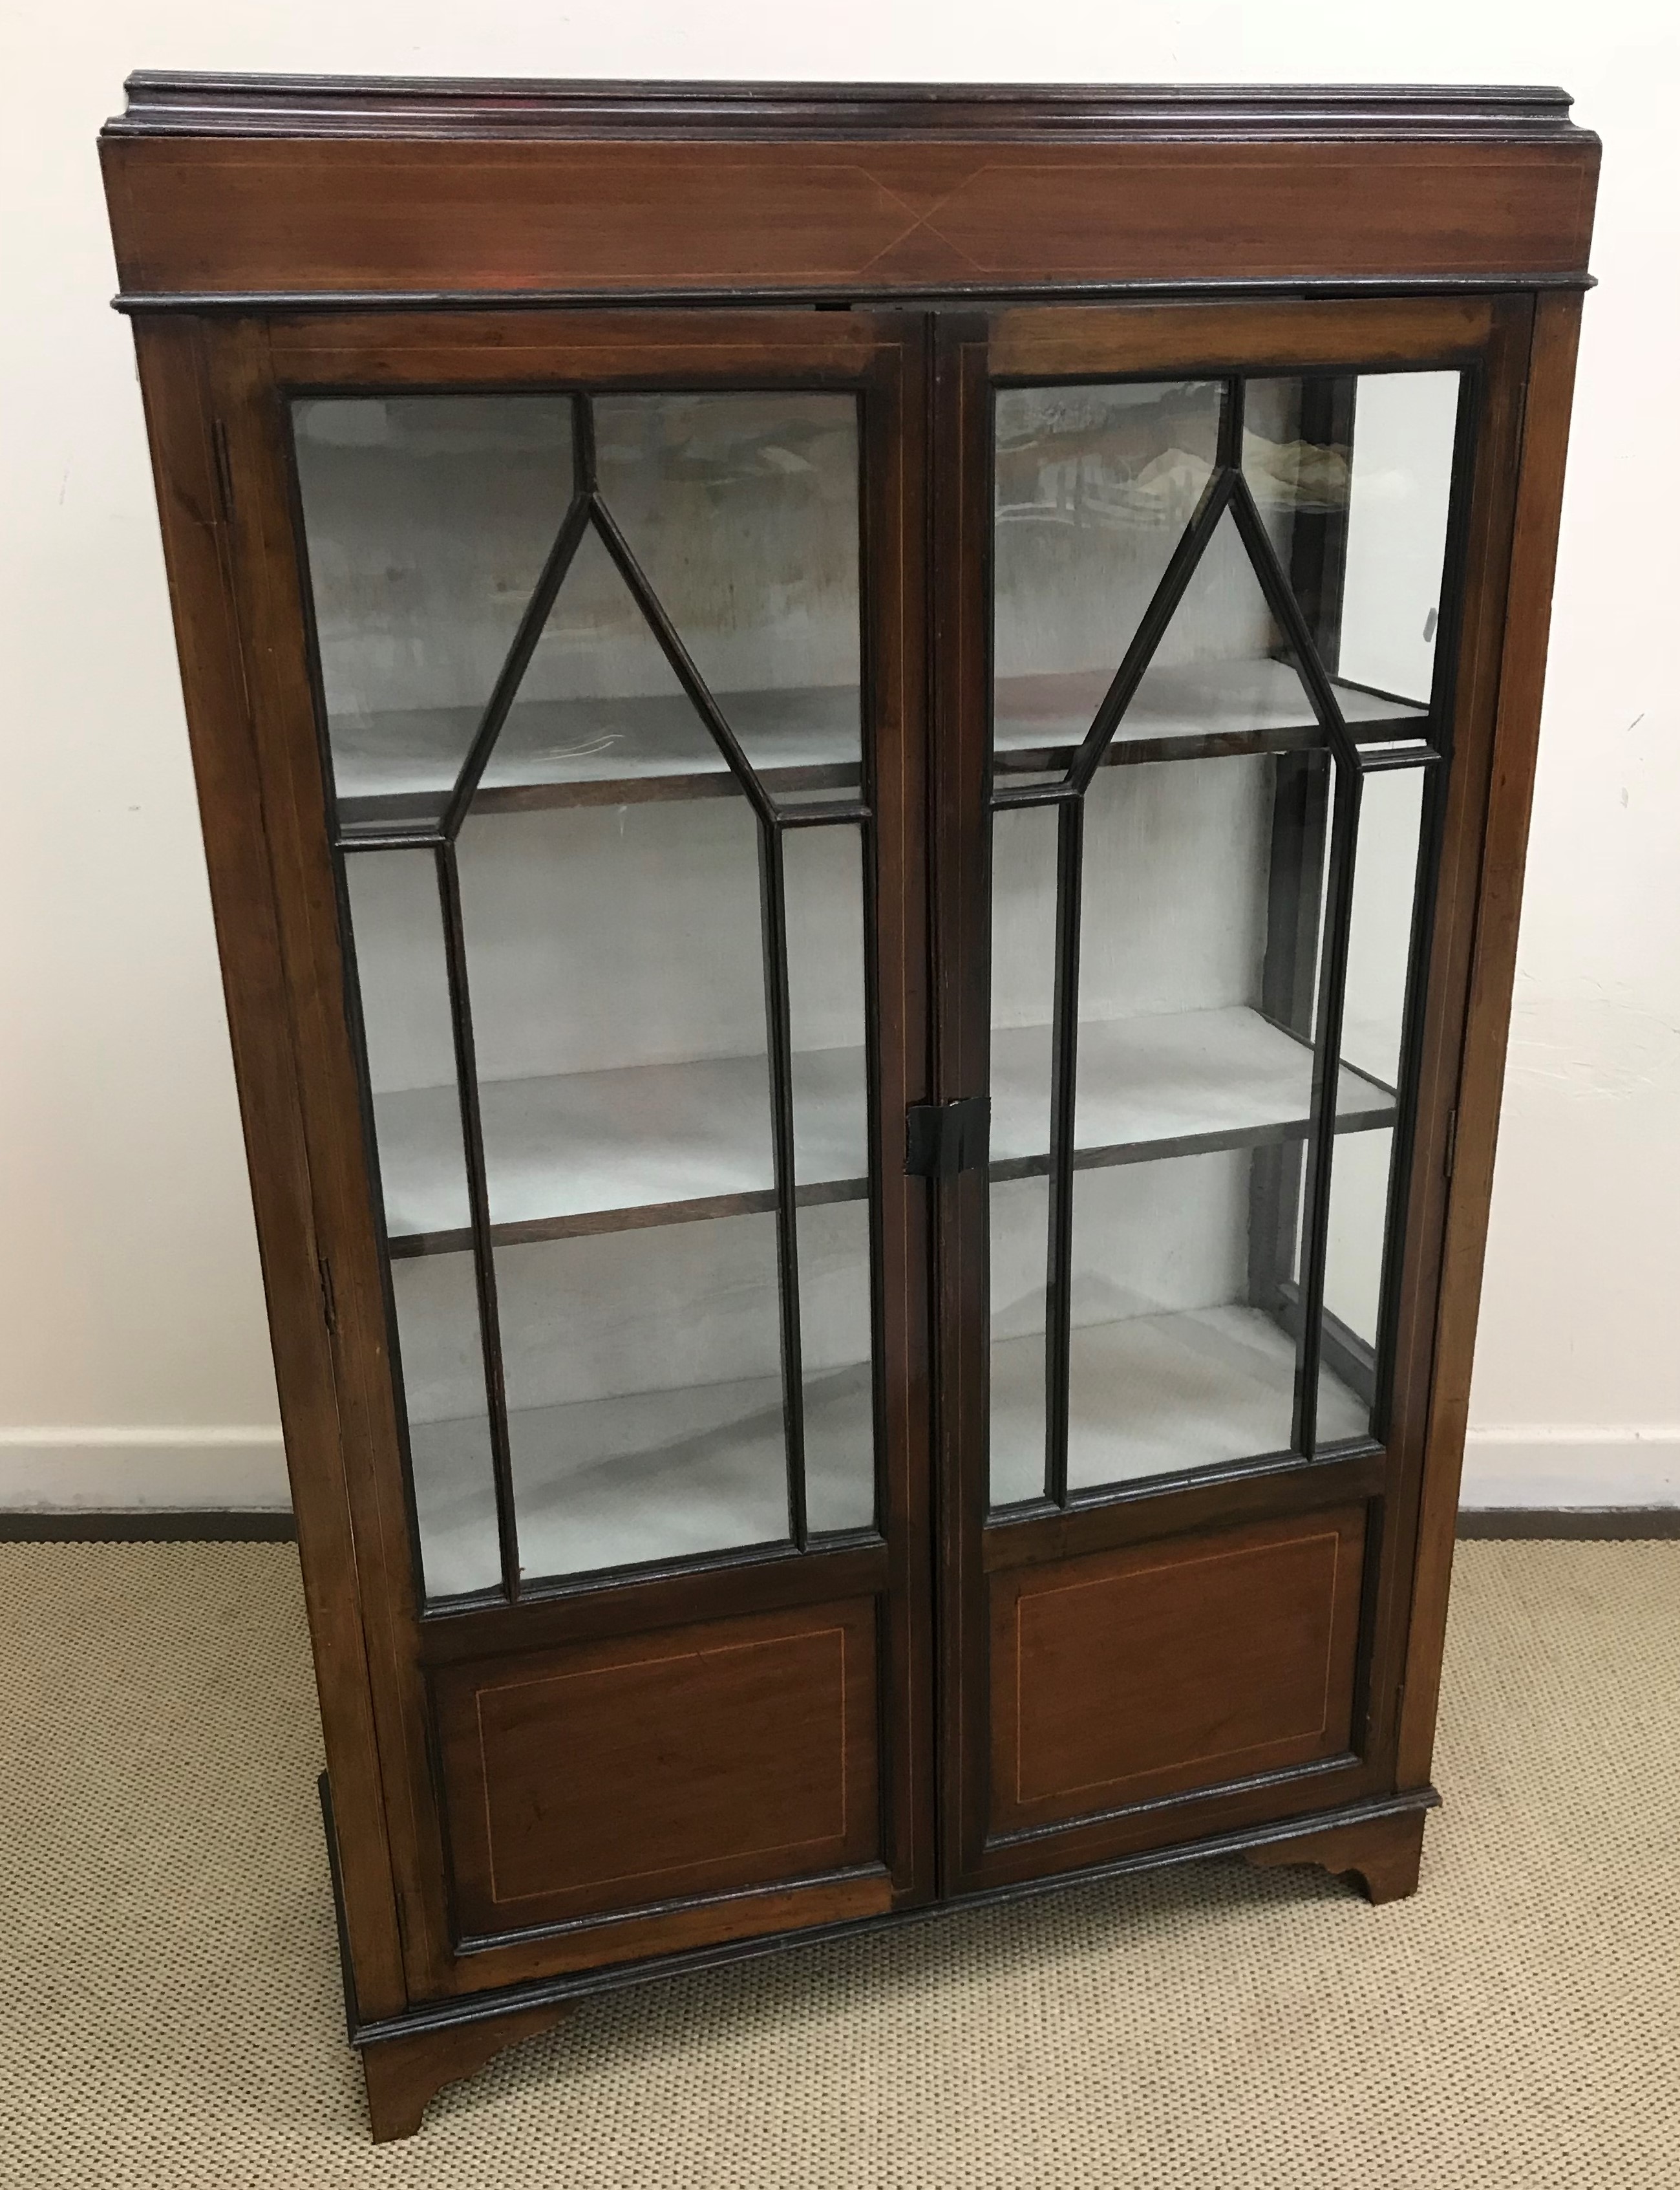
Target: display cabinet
{"points": [[864, 758]]}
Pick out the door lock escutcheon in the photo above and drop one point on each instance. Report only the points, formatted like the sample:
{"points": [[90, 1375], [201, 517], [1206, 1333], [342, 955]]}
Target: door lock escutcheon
{"points": [[942, 1139]]}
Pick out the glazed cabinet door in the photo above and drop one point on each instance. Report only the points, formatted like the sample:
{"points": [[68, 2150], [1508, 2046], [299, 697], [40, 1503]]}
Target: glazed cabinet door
{"points": [[1213, 749], [586, 652]]}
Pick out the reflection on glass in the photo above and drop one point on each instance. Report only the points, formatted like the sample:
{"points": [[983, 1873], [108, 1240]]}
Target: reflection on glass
{"points": [[1202, 846], [1353, 476], [1405, 427], [404, 992], [824, 878], [744, 511], [1379, 954], [1095, 484], [428, 519]]}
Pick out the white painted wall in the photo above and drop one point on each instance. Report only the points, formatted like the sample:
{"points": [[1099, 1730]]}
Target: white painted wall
{"points": [[135, 1364]]}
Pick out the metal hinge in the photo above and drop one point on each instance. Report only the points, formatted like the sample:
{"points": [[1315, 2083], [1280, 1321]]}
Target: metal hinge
{"points": [[1450, 1154], [329, 1305], [224, 470], [943, 1138]]}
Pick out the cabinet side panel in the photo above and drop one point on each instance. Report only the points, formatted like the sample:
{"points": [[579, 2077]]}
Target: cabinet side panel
{"points": [[1539, 487], [181, 425]]}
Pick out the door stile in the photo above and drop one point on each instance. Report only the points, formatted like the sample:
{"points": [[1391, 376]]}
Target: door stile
{"points": [[960, 838]]}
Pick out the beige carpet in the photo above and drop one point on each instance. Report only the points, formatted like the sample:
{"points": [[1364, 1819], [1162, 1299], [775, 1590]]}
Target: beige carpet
{"points": [[170, 2010]]}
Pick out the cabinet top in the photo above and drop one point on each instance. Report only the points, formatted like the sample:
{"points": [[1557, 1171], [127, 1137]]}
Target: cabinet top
{"points": [[163, 103], [274, 193]]}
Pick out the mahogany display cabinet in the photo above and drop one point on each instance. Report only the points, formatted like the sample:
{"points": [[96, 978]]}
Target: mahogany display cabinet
{"points": [[865, 756]]}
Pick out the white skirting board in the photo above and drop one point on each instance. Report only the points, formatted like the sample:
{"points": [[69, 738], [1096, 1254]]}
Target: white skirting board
{"points": [[242, 1467], [1547, 1465], [237, 1467]]}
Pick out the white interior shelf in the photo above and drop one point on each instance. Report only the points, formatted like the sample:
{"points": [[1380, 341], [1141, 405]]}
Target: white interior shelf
{"points": [[641, 1475], [1191, 701], [1154, 1394], [605, 1150], [572, 748], [577, 750], [675, 1474]]}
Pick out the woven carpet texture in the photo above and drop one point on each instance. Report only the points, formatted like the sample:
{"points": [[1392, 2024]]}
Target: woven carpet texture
{"points": [[171, 2015]]}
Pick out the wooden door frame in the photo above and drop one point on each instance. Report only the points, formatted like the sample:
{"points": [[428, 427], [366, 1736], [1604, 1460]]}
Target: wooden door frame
{"points": [[1412, 1494], [216, 392]]}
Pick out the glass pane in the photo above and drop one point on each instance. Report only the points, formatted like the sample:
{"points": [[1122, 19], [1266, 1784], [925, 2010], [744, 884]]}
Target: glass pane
{"points": [[644, 1393], [744, 511], [824, 868], [599, 704], [1379, 953], [428, 520], [1202, 846], [1171, 1362], [593, 937], [1201, 913], [1023, 982], [402, 984], [1020, 1245], [1095, 485], [618, 1018], [1405, 430], [837, 1350], [1353, 476], [618, 1009]]}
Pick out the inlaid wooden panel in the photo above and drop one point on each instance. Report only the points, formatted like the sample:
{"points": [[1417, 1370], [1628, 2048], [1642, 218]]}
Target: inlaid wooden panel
{"points": [[611, 1775], [1175, 1665]]}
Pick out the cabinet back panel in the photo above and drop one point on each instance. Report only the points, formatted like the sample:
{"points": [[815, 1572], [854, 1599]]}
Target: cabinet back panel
{"points": [[703, 1759], [1174, 1666]]}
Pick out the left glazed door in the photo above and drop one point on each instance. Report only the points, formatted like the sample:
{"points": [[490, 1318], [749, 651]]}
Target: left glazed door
{"points": [[583, 656]]}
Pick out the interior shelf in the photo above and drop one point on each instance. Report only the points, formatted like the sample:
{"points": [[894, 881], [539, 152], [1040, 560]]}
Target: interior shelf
{"points": [[396, 769], [1183, 712], [1154, 1395], [1165, 1084], [666, 1144], [641, 1475]]}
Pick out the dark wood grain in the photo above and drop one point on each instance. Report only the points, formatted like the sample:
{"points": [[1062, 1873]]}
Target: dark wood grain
{"points": [[534, 1798], [739, 1753], [1381, 1855], [1568, 1525], [404, 2074], [1048, 341], [1418, 1448], [1489, 337], [164, 102], [1190, 1663], [356, 190], [244, 890], [960, 839], [1521, 638]]}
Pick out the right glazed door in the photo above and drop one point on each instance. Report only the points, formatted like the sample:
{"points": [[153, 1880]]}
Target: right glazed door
{"points": [[1203, 720]]}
